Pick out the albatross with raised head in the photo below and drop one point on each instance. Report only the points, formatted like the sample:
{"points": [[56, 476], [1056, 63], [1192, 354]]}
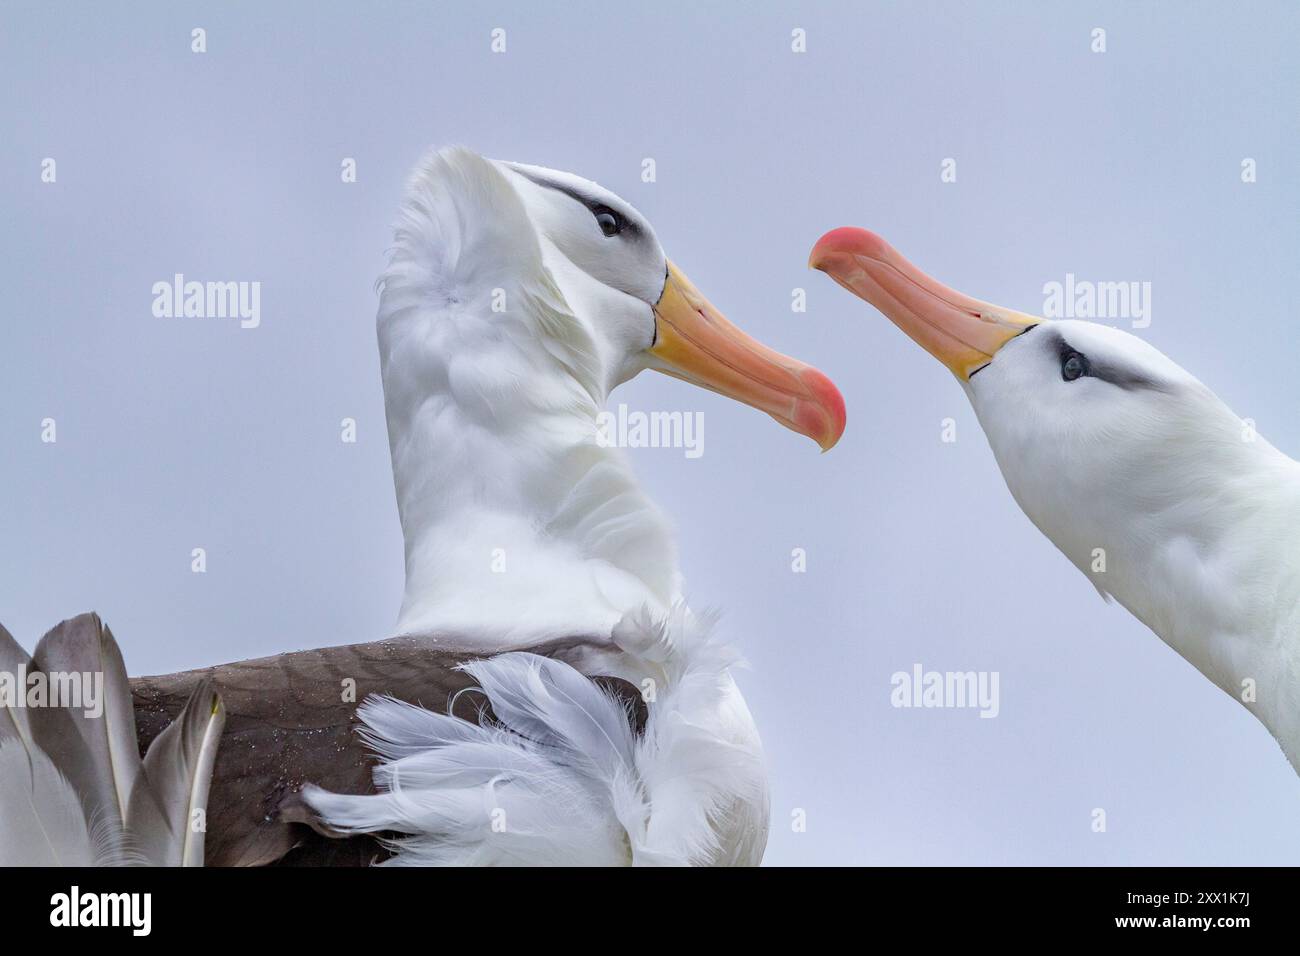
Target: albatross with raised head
{"points": [[515, 299], [1111, 448]]}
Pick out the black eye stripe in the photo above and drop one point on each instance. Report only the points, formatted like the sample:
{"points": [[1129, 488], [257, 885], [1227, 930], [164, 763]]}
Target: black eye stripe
{"points": [[1121, 376], [627, 227]]}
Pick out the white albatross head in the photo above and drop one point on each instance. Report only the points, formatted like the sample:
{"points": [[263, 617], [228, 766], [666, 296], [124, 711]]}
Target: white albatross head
{"points": [[645, 313], [1132, 467], [512, 250]]}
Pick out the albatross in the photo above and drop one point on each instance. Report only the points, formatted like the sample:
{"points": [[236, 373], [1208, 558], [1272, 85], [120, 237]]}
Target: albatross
{"points": [[515, 299], [578, 711], [1142, 477]]}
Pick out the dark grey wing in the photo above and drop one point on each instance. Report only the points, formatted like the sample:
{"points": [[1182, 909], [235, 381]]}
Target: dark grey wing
{"points": [[291, 719]]}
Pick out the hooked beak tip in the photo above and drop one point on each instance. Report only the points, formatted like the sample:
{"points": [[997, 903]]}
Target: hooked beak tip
{"points": [[824, 417]]}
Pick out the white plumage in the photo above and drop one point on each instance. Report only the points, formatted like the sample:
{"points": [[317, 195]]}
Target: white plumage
{"points": [[1163, 497], [1196, 515], [516, 298], [559, 778], [491, 418]]}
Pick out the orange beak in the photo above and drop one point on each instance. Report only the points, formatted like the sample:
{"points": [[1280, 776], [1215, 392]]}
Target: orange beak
{"points": [[694, 342], [962, 333]]}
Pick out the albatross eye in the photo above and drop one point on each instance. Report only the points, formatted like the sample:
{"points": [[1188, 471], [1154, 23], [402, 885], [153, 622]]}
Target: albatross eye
{"points": [[610, 222], [1073, 365]]}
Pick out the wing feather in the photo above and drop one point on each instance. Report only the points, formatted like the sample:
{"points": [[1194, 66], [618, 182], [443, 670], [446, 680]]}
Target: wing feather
{"points": [[83, 645], [168, 816]]}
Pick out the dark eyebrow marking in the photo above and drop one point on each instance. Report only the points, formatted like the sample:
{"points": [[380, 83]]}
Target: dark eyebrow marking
{"points": [[1118, 375], [569, 191], [591, 203], [1124, 377]]}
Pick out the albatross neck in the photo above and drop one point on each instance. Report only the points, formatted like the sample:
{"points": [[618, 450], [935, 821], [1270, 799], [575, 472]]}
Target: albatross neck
{"points": [[1216, 575], [519, 525]]}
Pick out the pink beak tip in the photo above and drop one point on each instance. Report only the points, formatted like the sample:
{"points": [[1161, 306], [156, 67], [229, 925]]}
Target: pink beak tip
{"points": [[823, 419], [848, 239]]}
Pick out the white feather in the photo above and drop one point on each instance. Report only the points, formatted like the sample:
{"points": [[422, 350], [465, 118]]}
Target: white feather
{"points": [[536, 788], [559, 777]]}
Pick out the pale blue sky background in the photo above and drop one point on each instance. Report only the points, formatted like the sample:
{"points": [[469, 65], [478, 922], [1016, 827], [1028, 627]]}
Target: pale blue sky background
{"points": [[174, 434]]}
